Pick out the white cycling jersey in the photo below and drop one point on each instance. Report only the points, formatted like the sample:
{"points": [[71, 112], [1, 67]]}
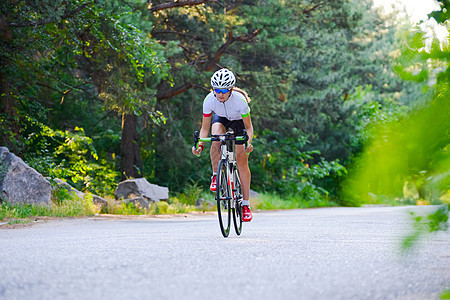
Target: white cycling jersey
{"points": [[235, 108]]}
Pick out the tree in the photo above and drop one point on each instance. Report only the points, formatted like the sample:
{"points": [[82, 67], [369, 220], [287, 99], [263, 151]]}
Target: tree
{"points": [[79, 51], [269, 45]]}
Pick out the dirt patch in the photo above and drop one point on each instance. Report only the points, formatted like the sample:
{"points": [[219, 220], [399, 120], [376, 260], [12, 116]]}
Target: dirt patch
{"points": [[173, 216], [28, 222]]}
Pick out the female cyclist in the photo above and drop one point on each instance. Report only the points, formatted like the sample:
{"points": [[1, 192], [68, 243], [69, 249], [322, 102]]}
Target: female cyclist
{"points": [[231, 111]]}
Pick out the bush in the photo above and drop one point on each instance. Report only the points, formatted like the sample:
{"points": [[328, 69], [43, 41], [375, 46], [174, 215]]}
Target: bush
{"points": [[70, 156]]}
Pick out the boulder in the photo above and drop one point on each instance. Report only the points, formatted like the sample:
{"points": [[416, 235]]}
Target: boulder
{"points": [[21, 184], [201, 203], [140, 187], [138, 202], [97, 200]]}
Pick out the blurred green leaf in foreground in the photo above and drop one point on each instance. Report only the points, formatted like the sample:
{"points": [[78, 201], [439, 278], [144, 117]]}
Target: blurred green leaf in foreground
{"points": [[408, 159]]}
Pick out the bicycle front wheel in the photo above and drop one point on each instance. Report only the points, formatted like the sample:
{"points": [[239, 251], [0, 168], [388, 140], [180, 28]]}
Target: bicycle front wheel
{"points": [[237, 207], [223, 199]]}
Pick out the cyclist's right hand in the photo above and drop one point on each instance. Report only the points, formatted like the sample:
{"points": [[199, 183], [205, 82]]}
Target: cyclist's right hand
{"points": [[198, 150]]}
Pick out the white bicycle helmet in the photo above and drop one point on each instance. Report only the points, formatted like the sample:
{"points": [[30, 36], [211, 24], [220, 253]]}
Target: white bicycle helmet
{"points": [[223, 79]]}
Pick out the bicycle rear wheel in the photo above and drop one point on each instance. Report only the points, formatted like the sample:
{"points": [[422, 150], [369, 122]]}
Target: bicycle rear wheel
{"points": [[237, 208], [223, 199]]}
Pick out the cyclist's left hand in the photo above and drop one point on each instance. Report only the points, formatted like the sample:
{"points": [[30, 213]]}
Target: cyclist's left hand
{"points": [[249, 148]]}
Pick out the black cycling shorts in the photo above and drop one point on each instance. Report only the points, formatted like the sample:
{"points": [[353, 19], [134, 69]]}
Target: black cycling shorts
{"points": [[237, 126]]}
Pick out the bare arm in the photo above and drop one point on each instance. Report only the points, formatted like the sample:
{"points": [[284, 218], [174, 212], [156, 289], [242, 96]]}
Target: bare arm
{"points": [[249, 128], [204, 131]]}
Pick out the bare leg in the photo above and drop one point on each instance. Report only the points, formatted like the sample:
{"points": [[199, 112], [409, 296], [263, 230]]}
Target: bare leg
{"points": [[244, 171], [216, 128]]}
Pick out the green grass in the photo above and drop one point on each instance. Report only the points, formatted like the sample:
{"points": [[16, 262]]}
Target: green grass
{"points": [[65, 204], [445, 295], [273, 201], [173, 206]]}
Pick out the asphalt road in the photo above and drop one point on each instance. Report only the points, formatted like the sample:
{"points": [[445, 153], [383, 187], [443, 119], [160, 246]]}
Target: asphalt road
{"points": [[330, 253]]}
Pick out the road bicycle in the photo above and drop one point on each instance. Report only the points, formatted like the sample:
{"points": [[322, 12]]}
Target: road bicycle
{"points": [[228, 193]]}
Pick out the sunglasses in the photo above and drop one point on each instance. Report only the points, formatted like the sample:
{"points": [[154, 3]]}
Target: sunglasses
{"points": [[223, 91]]}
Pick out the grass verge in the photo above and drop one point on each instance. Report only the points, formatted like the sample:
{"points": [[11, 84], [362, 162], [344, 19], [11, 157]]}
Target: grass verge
{"points": [[65, 204], [157, 208], [273, 201], [445, 295]]}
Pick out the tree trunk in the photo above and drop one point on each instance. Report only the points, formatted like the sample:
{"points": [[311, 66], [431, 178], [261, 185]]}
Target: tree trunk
{"points": [[131, 162]]}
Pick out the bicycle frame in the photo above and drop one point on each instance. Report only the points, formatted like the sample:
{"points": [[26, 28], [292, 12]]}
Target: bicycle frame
{"points": [[228, 155]]}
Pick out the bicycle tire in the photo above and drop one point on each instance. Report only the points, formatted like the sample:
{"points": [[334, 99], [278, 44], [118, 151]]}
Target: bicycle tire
{"points": [[223, 199], [237, 207]]}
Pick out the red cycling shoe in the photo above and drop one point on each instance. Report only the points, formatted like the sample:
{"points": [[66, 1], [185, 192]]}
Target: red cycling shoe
{"points": [[213, 186], [246, 213]]}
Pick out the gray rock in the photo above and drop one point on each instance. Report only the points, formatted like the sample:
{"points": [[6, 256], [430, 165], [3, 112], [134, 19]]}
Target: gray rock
{"points": [[97, 200], [21, 184], [203, 204], [140, 187], [138, 201]]}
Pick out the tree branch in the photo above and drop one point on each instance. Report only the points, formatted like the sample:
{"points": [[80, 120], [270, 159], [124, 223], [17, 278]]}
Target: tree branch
{"points": [[176, 91], [177, 4], [209, 66], [104, 117], [230, 40], [307, 11], [161, 95]]}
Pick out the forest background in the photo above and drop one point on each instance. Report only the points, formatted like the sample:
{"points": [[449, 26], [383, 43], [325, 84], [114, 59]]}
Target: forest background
{"points": [[349, 106]]}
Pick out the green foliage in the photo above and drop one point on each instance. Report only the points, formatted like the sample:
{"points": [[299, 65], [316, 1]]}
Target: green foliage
{"points": [[12, 139], [411, 148], [445, 295], [285, 169], [442, 15], [191, 194], [74, 159], [66, 64], [426, 224], [128, 209], [60, 195], [411, 152]]}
